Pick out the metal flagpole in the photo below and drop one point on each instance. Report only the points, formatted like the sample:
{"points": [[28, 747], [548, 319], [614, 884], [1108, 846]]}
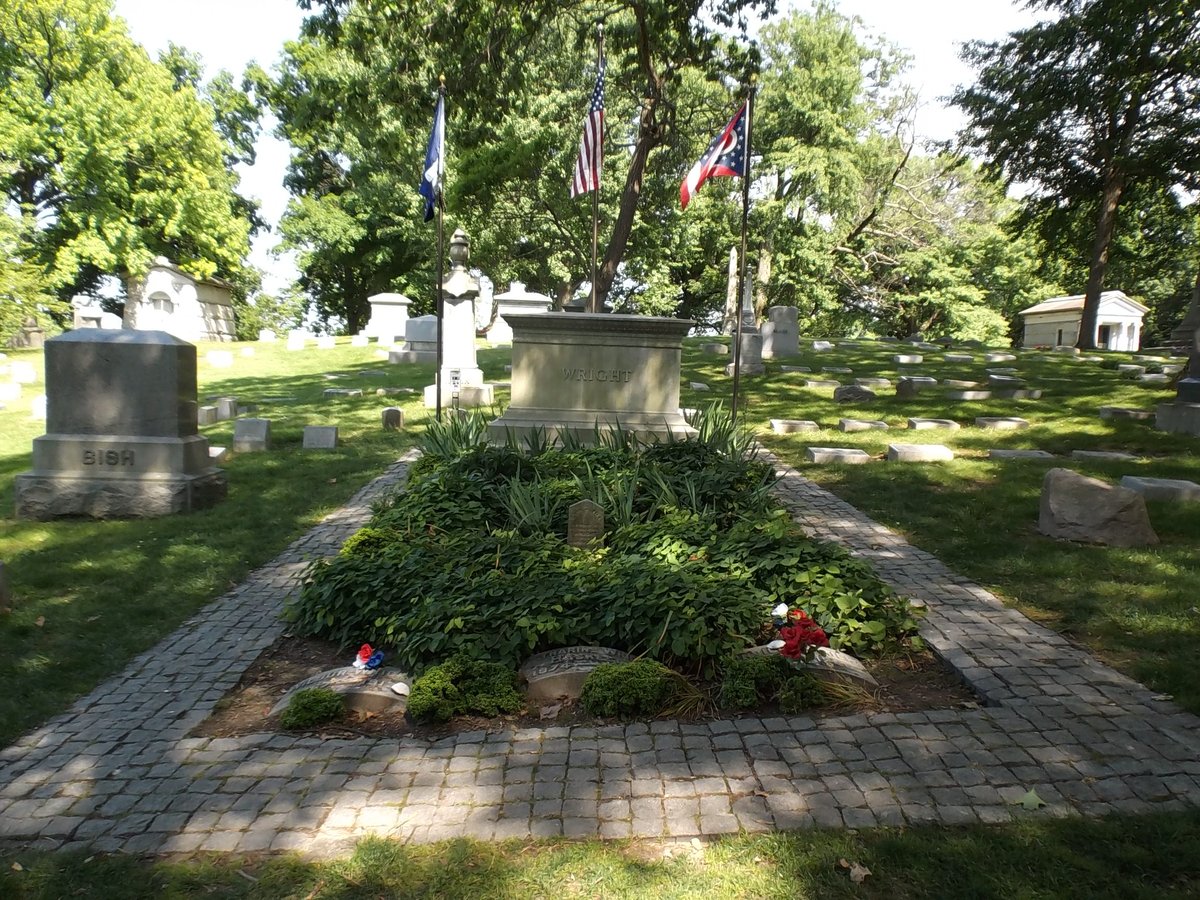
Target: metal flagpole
{"points": [[737, 339], [438, 300], [595, 304]]}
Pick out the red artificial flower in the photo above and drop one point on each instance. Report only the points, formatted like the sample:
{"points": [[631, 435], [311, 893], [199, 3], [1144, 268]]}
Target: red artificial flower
{"points": [[799, 638]]}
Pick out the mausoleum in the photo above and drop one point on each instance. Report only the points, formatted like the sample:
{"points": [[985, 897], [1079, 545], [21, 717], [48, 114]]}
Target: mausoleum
{"points": [[169, 299], [1056, 322]]}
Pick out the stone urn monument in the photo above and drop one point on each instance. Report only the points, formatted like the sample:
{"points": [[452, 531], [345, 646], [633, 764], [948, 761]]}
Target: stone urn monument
{"points": [[121, 438], [462, 379]]}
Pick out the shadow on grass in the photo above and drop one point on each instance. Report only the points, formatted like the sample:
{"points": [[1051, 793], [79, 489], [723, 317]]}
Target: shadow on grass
{"points": [[1152, 856]]}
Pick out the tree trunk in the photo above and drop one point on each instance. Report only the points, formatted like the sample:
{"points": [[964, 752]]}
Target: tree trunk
{"points": [[1106, 224], [647, 140]]}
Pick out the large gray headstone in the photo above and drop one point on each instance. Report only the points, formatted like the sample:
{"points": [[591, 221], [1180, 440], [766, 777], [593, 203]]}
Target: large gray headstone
{"points": [[781, 332], [121, 432]]}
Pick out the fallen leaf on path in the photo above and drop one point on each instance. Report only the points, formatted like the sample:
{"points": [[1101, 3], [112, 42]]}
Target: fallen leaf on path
{"points": [[1031, 800], [549, 712]]}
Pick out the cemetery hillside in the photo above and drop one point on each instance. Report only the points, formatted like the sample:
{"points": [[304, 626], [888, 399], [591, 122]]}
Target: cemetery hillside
{"points": [[620, 453]]}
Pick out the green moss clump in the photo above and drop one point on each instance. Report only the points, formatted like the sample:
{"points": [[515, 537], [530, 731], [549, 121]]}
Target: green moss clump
{"points": [[750, 680], [642, 687], [312, 706], [463, 686], [801, 692]]}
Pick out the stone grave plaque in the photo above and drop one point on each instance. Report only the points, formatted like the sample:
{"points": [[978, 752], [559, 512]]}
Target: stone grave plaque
{"points": [[320, 437], [828, 665], [364, 690], [251, 435], [561, 673], [585, 523]]}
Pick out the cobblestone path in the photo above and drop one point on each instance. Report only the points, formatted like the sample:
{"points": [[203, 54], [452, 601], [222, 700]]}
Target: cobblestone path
{"points": [[117, 772]]}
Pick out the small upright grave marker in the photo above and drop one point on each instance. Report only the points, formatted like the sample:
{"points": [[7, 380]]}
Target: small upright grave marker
{"points": [[393, 418], [585, 523], [320, 437], [251, 435]]}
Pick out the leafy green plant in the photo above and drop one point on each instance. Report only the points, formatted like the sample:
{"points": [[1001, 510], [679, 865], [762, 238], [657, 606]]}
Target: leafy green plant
{"points": [[463, 686], [312, 706], [455, 434], [643, 687], [800, 692], [748, 680]]}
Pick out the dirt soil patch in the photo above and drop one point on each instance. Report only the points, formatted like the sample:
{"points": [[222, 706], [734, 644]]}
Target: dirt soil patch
{"points": [[913, 681]]}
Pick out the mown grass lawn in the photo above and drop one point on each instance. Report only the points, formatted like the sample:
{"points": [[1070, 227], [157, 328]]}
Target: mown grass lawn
{"points": [[89, 596], [1136, 608], [1154, 856]]}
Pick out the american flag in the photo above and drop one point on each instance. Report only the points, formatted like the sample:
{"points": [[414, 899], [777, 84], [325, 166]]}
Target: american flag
{"points": [[726, 155], [591, 145]]}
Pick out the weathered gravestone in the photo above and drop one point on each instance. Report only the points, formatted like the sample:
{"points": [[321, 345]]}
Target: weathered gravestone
{"points": [[1077, 508], [320, 437], [781, 332], [585, 523], [561, 673], [251, 435], [393, 418], [363, 690], [121, 433]]}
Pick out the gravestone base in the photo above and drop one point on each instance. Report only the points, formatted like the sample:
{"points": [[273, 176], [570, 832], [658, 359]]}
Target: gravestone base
{"points": [[404, 356], [1179, 417], [54, 496]]}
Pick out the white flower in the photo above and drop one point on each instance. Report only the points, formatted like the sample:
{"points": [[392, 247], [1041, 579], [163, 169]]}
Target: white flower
{"points": [[780, 611]]}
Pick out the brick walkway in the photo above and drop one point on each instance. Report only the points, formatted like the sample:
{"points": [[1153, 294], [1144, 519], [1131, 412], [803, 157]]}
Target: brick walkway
{"points": [[117, 771]]}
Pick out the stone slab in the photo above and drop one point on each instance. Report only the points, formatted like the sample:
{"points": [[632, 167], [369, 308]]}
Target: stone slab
{"points": [[714, 349], [1018, 394], [320, 437], [1002, 370], [216, 455], [959, 384], [873, 382], [968, 395], [561, 673], [1124, 412], [958, 357], [908, 359], [251, 435], [792, 426], [998, 357], [830, 666], [1001, 423], [227, 408], [699, 386], [918, 453], [861, 425], [41, 496], [848, 455], [819, 383], [1102, 454], [1074, 507], [822, 346], [805, 369], [1019, 454], [339, 393], [1005, 381], [836, 370], [363, 690], [919, 424], [1172, 489]]}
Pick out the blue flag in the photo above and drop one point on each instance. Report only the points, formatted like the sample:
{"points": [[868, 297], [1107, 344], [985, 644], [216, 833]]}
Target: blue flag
{"points": [[435, 160]]}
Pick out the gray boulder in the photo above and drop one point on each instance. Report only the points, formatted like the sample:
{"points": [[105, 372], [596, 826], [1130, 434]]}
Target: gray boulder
{"points": [[1077, 508], [853, 393]]}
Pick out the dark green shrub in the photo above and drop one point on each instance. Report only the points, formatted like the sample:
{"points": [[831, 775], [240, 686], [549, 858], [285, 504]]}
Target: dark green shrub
{"points": [[749, 680], [463, 686], [801, 692], [643, 687], [312, 706]]}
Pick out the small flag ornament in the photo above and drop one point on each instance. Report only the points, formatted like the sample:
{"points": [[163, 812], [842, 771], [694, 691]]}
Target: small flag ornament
{"points": [[435, 160], [726, 155], [591, 144]]}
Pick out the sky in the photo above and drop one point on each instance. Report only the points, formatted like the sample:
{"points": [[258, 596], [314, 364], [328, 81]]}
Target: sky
{"points": [[228, 34]]}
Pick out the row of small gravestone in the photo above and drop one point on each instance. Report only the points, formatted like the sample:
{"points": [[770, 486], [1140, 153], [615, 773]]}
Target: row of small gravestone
{"points": [[994, 423], [254, 434], [19, 373]]}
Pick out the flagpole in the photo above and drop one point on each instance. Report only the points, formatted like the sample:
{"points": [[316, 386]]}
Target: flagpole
{"points": [[438, 298], [737, 340], [595, 304]]}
